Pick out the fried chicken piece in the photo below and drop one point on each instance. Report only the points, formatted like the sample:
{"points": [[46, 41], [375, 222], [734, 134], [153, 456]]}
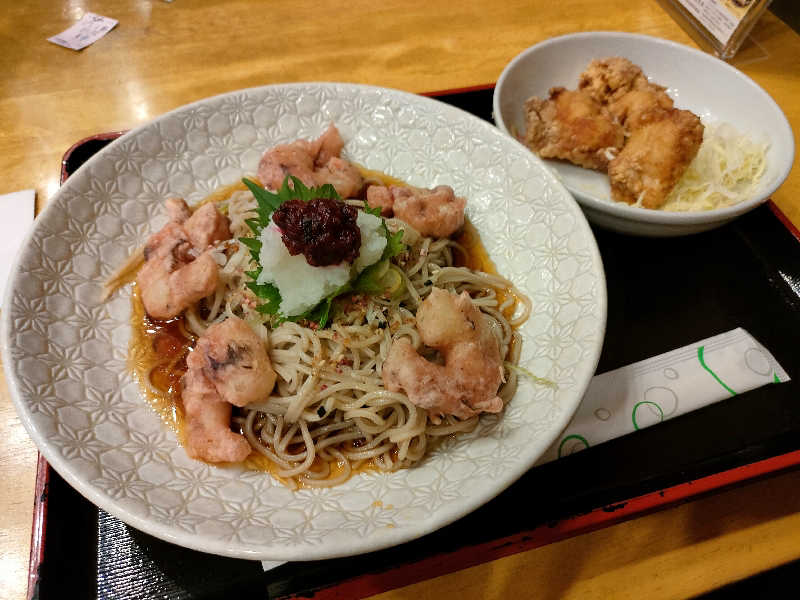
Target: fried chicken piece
{"points": [[178, 269], [607, 79], [436, 212], [208, 423], [207, 226], [314, 162], [228, 367], [380, 196], [234, 359], [640, 106], [468, 381], [622, 86], [655, 157], [571, 125], [177, 209]]}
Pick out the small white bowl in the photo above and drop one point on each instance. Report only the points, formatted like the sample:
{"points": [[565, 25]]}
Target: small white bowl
{"points": [[696, 81]]}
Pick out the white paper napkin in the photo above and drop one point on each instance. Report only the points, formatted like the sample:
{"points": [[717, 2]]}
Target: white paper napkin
{"points": [[85, 32], [17, 209], [659, 388]]}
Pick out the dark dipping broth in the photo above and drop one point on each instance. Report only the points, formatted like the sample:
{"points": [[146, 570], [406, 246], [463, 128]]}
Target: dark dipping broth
{"points": [[158, 349]]}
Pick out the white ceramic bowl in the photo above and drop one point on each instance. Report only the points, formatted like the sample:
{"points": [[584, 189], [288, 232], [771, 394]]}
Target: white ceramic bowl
{"points": [[65, 351], [697, 81]]}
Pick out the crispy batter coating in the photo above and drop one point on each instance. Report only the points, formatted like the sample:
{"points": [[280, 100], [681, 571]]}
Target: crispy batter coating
{"points": [[640, 106], [467, 383], [206, 226], [235, 360], [617, 121], [208, 423], [436, 212], [655, 157], [314, 162], [229, 366], [571, 125], [172, 278], [380, 196], [607, 79]]}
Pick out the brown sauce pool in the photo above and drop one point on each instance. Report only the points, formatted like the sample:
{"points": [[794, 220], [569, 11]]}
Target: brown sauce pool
{"points": [[158, 349], [157, 358]]}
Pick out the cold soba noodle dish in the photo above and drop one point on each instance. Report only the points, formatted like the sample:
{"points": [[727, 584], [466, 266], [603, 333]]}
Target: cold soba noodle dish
{"points": [[322, 320]]}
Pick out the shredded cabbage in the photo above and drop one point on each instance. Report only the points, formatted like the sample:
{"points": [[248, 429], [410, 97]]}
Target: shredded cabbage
{"points": [[725, 171]]}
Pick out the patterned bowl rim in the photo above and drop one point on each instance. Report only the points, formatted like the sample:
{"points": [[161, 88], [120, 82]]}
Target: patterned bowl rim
{"points": [[302, 552]]}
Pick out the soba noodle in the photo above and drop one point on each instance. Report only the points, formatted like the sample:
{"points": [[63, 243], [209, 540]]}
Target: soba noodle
{"points": [[329, 414]]}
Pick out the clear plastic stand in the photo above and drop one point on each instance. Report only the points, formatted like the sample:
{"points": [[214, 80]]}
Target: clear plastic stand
{"points": [[719, 26]]}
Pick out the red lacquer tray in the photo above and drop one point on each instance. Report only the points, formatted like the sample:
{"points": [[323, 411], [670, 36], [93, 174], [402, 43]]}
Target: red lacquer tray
{"points": [[79, 548]]}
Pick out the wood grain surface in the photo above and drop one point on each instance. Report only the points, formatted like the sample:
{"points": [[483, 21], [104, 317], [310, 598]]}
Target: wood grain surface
{"points": [[165, 54]]}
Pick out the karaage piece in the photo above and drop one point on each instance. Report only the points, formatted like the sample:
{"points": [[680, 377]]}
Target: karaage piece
{"points": [[655, 157], [639, 106], [572, 126], [622, 86], [606, 79]]}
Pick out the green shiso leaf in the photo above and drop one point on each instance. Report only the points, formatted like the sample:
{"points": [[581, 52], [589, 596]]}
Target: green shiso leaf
{"points": [[321, 312], [254, 244], [300, 191], [375, 212], [394, 243], [266, 202], [253, 224], [269, 294], [372, 280]]}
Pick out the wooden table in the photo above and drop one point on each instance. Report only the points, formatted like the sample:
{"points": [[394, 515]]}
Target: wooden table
{"points": [[165, 54]]}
